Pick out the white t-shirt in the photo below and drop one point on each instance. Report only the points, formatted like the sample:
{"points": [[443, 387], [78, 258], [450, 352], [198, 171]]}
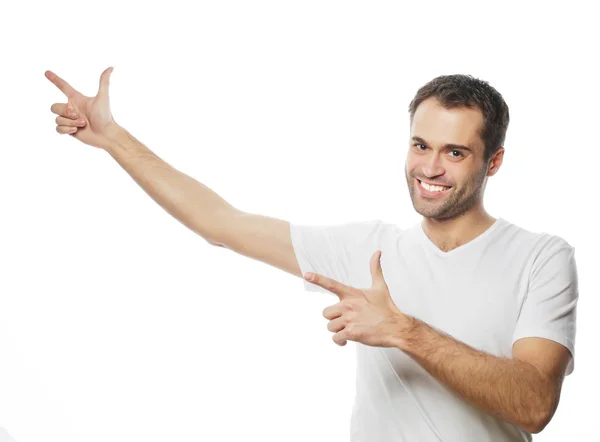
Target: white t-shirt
{"points": [[506, 284]]}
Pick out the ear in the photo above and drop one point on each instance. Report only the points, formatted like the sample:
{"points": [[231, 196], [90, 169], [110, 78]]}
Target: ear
{"points": [[496, 162]]}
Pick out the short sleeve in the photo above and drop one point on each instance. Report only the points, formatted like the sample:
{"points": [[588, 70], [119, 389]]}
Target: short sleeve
{"points": [[550, 307], [336, 251]]}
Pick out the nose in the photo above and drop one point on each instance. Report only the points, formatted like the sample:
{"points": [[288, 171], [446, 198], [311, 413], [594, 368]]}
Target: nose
{"points": [[433, 166]]}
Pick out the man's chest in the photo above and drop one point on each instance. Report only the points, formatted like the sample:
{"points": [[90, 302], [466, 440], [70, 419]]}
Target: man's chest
{"points": [[477, 303]]}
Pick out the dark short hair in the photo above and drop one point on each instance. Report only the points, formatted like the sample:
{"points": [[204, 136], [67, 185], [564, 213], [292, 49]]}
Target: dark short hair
{"points": [[460, 90]]}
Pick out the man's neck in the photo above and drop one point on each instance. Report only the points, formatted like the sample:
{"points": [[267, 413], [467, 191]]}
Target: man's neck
{"points": [[450, 234]]}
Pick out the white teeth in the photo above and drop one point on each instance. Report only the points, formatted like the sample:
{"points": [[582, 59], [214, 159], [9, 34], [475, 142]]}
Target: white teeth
{"points": [[433, 188]]}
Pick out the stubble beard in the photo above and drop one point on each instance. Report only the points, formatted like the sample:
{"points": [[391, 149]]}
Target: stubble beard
{"points": [[456, 204]]}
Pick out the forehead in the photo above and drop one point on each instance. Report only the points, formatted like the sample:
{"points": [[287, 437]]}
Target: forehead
{"points": [[438, 125]]}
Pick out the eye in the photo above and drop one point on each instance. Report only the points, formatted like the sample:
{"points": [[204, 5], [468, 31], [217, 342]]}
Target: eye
{"points": [[459, 152], [418, 144]]}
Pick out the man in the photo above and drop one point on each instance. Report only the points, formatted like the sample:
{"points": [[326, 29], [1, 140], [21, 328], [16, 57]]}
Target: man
{"points": [[468, 327]]}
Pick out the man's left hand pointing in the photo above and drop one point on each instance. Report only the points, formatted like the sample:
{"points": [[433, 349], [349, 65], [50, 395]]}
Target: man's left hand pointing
{"points": [[368, 316]]}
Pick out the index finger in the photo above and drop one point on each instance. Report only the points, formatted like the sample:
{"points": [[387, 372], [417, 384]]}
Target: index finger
{"points": [[332, 285], [60, 83]]}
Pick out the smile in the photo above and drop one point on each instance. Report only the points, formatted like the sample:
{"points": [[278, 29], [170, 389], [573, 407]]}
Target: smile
{"points": [[432, 193]]}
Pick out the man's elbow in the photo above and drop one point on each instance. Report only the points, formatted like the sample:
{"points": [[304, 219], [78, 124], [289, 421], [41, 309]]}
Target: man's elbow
{"points": [[536, 429], [540, 423]]}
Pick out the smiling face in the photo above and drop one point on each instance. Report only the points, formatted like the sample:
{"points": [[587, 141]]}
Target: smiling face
{"points": [[435, 156]]}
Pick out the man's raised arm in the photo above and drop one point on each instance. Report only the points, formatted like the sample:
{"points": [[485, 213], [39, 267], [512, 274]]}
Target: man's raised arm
{"points": [[202, 210], [89, 120]]}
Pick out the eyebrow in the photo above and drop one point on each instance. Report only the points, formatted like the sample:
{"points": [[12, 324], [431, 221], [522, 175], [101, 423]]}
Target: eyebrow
{"points": [[446, 146]]}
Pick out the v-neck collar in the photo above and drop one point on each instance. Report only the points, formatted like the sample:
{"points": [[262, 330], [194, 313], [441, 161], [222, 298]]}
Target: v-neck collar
{"points": [[430, 244]]}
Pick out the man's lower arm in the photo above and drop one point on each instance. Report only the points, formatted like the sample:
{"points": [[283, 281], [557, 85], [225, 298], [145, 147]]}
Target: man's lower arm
{"points": [[506, 388], [191, 202]]}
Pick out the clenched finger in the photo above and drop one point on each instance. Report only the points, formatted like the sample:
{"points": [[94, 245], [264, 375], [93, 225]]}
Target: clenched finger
{"points": [[340, 338], [63, 109], [62, 121], [66, 129], [336, 325], [336, 310]]}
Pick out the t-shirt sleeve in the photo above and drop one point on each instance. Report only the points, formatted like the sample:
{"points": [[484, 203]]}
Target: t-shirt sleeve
{"points": [[550, 307], [341, 252]]}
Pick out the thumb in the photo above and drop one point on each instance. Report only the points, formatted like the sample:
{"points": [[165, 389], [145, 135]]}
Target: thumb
{"points": [[104, 81], [376, 270]]}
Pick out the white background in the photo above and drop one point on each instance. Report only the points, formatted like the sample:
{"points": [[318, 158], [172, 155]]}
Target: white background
{"points": [[117, 323]]}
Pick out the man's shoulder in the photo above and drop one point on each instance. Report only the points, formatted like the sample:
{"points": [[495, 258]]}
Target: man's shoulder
{"points": [[540, 238], [537, 246]]}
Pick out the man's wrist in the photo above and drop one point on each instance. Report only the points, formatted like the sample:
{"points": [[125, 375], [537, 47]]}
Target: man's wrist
{"points": [[404, 328], [115, 136]]}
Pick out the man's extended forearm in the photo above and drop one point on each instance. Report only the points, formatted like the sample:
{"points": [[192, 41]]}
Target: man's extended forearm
{"points": [[189, 201], [507, 388]]}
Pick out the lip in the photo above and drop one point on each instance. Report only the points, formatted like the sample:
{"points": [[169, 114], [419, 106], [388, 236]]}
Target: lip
{"points": [[428, 194]]}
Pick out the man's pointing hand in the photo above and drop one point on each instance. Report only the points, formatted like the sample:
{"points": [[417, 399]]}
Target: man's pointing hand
{"points": [[368, 316], [97, 124]]}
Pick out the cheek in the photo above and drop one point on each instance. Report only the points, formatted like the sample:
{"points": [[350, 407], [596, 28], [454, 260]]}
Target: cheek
{"points": [[415, 162]]}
